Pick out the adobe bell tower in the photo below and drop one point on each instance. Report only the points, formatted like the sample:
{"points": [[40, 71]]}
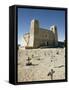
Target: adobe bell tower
{"points": [[34, 29], [54, 30]]}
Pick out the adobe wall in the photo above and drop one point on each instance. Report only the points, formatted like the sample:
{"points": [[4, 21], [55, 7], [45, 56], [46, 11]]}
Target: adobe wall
{"points": [[44, 37], [26, 38]]}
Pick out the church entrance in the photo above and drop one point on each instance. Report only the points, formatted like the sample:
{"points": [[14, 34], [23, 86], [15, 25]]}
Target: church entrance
{"points": [[47, 43]]}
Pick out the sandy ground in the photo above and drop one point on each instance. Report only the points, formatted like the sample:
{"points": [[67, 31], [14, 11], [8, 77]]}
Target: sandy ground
{"points": [[43, 62]]}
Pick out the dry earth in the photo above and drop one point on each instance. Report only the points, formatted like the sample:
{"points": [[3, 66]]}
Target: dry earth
{"points": [[43, 62]]}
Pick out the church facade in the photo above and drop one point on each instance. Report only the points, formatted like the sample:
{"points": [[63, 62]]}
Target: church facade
{"points": [[38, 37]]}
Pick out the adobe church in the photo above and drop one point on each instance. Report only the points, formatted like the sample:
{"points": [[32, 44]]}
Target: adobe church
{"points": [[38, 37]]}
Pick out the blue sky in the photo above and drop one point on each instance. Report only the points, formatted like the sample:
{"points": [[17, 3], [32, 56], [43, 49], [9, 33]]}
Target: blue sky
{"points": [[46, 19]]}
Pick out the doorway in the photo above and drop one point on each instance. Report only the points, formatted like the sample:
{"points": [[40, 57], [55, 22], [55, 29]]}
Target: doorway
{"points": [[47, 43]]}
